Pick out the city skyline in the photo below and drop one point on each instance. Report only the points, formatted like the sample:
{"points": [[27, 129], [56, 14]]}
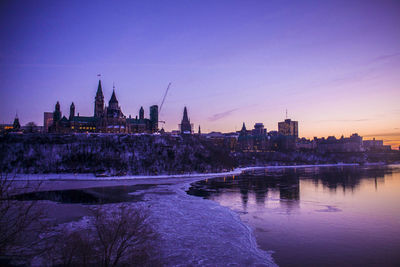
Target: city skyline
{"points": [[333, 65]]}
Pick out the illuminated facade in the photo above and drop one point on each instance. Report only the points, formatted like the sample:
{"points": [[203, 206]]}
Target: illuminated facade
{"points": [[289, 128], [15, 127], [47, 121], [106, 119]]}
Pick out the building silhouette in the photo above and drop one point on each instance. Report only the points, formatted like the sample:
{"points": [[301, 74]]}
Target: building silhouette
{"points": [[106, 119], [47, 121], [289, 128], [185, 126], [14, 127]]}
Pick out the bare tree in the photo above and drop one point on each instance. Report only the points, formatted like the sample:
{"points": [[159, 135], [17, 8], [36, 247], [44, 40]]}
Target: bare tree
{"points": [[71, 248], [21, 222], [121, 232], [116, 235]]}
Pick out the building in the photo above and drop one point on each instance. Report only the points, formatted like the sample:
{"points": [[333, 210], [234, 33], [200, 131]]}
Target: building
{"points": [[185, 126], [14, 127], [354, 143], [375, 145], [259, 129], [255, 140], [245, 140], [47, 121], [105, 119], [289, 128], [305, 144]]}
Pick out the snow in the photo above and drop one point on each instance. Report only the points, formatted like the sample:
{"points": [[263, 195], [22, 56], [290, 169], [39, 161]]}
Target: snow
{"points": [[199, 232], [90, 176], [193, 231]]}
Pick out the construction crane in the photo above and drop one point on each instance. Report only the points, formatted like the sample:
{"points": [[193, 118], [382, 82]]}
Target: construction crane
{"points": [[162, 102]]}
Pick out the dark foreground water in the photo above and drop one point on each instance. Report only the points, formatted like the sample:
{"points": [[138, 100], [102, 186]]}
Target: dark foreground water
{"points": [[320, 216]]}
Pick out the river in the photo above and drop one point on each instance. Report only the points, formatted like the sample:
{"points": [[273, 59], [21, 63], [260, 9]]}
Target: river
{"points": [[317, 216]]}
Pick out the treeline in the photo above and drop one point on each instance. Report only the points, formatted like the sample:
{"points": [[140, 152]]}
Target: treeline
{"points": [[314, 157], [111, 154], [149, 155]]}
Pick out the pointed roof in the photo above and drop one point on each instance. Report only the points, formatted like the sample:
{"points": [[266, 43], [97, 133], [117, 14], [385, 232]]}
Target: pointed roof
{"points": [[113, 98], [99, 90], [16, 124], [72, 104], [244, 127], [64, 119], [185, 115]]}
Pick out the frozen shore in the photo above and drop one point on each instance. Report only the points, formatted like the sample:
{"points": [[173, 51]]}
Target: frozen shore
{"points": [[90, 177], [192, 231], [199, 232]]}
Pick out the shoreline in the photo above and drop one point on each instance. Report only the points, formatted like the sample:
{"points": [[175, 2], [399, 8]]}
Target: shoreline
{"points": [[92, 177]]}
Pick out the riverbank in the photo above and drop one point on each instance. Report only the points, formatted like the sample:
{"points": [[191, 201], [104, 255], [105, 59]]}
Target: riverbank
{"points": [[92, 177], [191, 230], [149, 155]]}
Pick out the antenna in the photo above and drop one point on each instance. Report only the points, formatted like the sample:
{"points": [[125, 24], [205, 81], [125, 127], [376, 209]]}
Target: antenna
{"points": [[286, 114], [113, 86]]}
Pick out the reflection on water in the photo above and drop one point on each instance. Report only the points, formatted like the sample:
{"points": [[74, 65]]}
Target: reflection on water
{"points": [[320, 216]]}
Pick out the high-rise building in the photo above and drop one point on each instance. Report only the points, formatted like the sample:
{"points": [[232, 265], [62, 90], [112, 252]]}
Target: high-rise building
{"points": [[154, 118], [47, 121], [289, 128]]}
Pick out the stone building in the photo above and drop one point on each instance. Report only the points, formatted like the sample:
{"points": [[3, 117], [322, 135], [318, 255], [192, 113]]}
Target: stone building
{"points": [[106, 119], [185, 126]]}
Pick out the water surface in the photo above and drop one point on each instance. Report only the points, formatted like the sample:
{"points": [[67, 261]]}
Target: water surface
{"points": [[320, 216]]}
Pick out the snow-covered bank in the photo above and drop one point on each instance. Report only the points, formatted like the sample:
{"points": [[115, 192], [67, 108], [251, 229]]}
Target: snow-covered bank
{"points": [[192, 231], [199, 232], [90, 177]]}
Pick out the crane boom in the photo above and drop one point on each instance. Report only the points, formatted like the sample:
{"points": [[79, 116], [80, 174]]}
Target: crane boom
{"points": [[165, 95]]}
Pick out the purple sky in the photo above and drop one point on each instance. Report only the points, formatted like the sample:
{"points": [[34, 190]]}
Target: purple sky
{"points": [[335, 65]]}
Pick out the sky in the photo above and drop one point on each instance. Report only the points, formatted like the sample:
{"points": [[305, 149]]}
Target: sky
{"points": [[334, 65]]}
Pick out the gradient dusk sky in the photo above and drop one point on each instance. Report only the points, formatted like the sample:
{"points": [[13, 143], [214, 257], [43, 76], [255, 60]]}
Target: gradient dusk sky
{"points": [[335, 65]]}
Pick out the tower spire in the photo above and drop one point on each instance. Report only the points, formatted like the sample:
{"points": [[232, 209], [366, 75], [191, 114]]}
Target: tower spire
{"points": [[113, 98], [244, 127], [99, 90], [185, 115], [99, 101], [72, 111], [185, 126]]}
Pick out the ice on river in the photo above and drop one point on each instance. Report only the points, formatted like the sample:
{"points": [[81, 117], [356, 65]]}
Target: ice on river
{"points": [[199, 232]]}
